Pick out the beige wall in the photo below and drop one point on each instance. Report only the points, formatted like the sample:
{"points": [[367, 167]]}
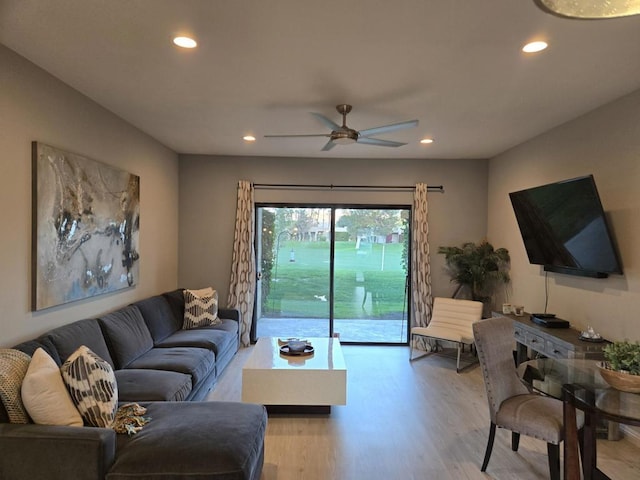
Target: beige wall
{"points": [[36, 106], [208, 189], [605, 143]]}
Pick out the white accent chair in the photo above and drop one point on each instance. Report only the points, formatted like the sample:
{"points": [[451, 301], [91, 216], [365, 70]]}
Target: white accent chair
{"points": [[451, 320]]}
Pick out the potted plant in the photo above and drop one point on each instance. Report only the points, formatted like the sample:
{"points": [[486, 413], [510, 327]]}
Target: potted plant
{"points": [[621, 368], [478, 268]]}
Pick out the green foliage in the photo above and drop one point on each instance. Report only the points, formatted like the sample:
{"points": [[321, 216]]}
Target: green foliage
{"points": [[405, 241], [623, 356], [360, 221], [300, 285], [480, 267], [268, 226]]}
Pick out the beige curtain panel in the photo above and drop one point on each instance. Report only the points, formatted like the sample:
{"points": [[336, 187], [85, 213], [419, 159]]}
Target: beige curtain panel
{"points": [[242, 286], [421, 300]]}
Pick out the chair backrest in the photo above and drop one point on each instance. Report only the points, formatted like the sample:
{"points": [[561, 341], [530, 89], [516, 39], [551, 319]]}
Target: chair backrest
{"points": [[494, 343], [456, 314]]}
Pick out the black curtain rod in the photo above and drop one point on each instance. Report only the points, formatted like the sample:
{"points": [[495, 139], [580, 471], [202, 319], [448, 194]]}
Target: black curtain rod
{"points": [[430, 188]]}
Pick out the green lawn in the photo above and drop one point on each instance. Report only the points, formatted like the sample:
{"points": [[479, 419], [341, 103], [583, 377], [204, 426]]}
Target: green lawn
{"points": [[298, 288]]}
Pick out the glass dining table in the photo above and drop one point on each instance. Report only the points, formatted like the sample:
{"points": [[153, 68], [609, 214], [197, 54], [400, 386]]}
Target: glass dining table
{"points": [[578, 383]]}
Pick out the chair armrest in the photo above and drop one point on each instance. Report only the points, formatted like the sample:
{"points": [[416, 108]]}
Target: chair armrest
{"points": [[229, 313], [32, 451]]}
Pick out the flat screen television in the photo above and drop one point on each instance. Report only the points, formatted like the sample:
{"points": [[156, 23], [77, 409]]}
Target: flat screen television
{"points": [[564, 228]]}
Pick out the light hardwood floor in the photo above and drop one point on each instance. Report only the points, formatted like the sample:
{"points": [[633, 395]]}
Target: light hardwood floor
{"points": [[403, 420]]}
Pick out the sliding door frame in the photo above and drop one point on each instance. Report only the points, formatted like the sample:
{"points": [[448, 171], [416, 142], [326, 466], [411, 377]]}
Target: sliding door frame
{"points": [[333, 207]]}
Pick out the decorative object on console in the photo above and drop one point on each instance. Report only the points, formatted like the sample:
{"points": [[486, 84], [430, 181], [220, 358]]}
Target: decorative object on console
{"points": [[200, 308], [590, 335], [621, 368], [85, 227]]}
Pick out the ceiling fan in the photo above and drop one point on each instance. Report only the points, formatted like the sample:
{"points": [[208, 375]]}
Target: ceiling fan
{"points": [[343, 135]]}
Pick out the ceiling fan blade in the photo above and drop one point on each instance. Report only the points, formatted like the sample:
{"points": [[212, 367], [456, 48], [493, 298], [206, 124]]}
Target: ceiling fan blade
{"points": [[328, 122], [388, 128], [379, 142], [304, 135], [328, 146]]}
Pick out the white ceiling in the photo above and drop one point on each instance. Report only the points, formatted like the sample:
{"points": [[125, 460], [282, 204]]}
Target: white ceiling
{"points": [[262, 65]]}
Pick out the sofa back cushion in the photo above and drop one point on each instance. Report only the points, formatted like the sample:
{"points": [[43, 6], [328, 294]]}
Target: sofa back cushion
{"points": [[159, 317], [68, 338], [30, 346], [126, 334], [175, 298]]}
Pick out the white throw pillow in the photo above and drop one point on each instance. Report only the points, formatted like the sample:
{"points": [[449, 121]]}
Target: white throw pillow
{"points": [[200, 308], [45, 395], [92, 385]]}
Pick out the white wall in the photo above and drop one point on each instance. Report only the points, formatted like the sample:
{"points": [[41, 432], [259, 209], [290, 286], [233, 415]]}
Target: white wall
{"points": [[605, 143], [36, 106], [208, 192]]}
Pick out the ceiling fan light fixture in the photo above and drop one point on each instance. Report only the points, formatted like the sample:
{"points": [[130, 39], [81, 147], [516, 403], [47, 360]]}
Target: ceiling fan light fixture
{"points": [[344, 137], [249, 138], [588, 9], [426, 141]]}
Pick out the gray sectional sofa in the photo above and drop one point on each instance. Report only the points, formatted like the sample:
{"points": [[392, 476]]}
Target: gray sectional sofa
{"points": [[163, 368]]}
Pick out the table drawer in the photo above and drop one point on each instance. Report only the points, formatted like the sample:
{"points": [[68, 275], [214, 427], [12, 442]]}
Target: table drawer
{"points": [[556, 350], [534, 341]]}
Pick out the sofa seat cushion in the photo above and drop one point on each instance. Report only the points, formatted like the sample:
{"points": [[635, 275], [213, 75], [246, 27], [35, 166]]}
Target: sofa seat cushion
{"points": [[212, 440], [225, 325], [196, 362], [126, 335], [152, 385], [159, 317], [211, 338]]}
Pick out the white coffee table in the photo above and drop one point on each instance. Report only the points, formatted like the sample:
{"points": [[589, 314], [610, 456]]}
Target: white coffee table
{"points": [[306, 384]]}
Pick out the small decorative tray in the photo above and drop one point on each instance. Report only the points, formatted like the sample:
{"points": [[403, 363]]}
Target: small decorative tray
{"points": [[591, 339], [284, 350]]}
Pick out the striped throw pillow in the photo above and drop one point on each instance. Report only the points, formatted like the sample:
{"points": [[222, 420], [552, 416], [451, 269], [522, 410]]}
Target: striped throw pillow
{"points": [[200, 308], [92, 385]]}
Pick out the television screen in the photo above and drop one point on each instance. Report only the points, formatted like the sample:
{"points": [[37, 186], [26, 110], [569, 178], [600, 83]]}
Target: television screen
{"points": [[564, 228]]}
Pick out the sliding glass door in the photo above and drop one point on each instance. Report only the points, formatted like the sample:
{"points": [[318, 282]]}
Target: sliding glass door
{"points": [[332, 271]]}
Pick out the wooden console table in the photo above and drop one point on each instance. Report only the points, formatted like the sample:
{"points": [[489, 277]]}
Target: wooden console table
{"points": [[550, 342]]}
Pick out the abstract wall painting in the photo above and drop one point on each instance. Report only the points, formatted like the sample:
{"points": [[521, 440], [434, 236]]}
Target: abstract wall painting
{"points": [[86, 224]]}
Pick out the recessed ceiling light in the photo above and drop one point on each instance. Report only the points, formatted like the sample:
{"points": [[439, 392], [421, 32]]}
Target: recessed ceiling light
{"points": [[185, 42], [249, 138], [533, 47], [426, 140]]}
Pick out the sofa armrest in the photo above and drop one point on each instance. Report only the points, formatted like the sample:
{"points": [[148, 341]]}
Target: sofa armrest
{"points": [[229, 313], [40, 451]]}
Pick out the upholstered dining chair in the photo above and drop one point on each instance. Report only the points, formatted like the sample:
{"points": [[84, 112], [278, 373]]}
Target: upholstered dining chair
{"points": [[511, 404], [451, 320]]}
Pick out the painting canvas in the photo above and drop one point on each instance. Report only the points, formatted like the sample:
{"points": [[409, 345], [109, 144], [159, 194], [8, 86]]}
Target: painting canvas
{"points": [[86, 227]]}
